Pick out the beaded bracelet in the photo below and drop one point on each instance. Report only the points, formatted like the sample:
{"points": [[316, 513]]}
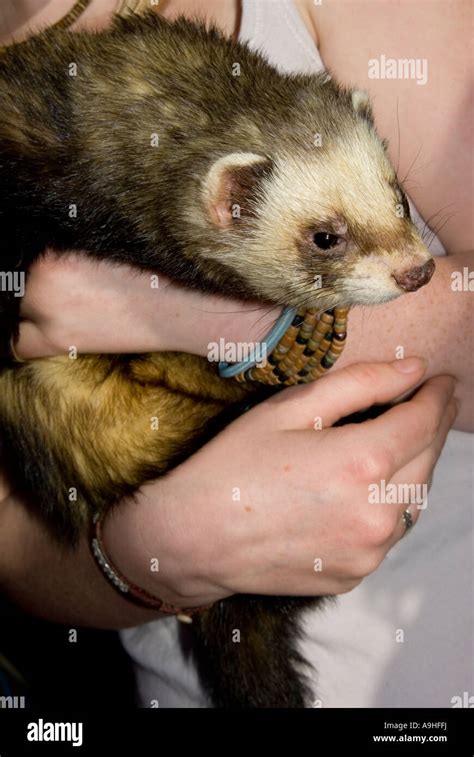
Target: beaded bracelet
{"points": [[303, 345], [70, 18], [126, 588]]}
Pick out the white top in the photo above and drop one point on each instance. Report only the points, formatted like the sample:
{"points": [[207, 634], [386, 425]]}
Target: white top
{"points": [[403, 638]]}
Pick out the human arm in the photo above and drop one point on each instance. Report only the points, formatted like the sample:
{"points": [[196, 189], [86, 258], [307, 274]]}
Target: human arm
{"points": [[429, 124], [210, 544], [435, 323], [99, 307]]}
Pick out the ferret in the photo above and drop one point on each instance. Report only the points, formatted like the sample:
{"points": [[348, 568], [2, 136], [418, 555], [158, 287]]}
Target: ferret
{"points": [[168, 146]]}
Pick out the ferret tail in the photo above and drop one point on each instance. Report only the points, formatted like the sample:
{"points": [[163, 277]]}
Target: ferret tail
{"points": [[246, 653]]}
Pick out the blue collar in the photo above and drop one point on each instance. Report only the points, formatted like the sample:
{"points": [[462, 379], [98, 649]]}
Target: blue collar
{"points": [[227, 370]]}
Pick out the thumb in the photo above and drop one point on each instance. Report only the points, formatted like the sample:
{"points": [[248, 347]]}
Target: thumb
{"points": [[347, 391]]}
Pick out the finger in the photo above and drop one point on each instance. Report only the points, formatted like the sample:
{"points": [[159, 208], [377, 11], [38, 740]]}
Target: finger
{"points": [[414, 480], [402, 433], [354, 388]]}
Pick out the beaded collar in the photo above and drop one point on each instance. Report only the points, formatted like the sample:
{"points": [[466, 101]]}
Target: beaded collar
{"points": [[301, 347]]}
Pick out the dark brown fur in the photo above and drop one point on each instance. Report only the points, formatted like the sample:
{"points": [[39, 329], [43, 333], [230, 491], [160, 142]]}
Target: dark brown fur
{"points": [[77, 433]]}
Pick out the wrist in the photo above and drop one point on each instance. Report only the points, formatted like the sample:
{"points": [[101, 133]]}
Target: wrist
{"points": [[140, 541]]}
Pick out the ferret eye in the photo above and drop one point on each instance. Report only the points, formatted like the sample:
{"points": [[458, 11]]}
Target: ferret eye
{"points": [[325, 241]]}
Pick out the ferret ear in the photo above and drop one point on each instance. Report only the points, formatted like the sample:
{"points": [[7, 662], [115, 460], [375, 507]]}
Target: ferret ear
{"points": [[361, 104], [231, 185]]}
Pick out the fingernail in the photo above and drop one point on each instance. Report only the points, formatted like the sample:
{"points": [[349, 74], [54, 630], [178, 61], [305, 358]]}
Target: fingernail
{"points": [[409, 365]]}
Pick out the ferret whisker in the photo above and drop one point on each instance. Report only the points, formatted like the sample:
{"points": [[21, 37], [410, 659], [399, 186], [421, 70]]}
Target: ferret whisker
{"points": [[411, 165], [443, 223], [226, 312], [412, 171], [265, 327], [399, 140], [427, 228]]}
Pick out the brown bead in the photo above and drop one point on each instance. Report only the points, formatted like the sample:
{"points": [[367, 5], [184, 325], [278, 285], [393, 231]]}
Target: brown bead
{"points": [[321, 334]]}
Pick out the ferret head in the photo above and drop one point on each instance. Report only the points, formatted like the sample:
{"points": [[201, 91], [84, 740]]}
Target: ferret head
{"points": [[319, 219]]}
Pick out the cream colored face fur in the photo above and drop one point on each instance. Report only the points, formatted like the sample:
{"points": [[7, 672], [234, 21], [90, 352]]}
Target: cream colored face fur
{"points": [[346, 188]]}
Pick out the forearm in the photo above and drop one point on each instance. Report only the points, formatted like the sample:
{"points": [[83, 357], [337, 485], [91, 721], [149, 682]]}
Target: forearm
{"points": [[54, 582], [73, 300], [435, 323], [202, 555], [106, 308]]}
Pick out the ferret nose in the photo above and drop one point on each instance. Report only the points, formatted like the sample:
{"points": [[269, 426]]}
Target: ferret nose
{"points": [[415, 278]]}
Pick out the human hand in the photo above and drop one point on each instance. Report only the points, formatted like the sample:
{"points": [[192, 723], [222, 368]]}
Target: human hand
{"points": [[99, 306], [254, 508]]}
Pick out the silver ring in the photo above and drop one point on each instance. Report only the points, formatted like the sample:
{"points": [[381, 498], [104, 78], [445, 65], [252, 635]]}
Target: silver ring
{"points": [[407, 519]]}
